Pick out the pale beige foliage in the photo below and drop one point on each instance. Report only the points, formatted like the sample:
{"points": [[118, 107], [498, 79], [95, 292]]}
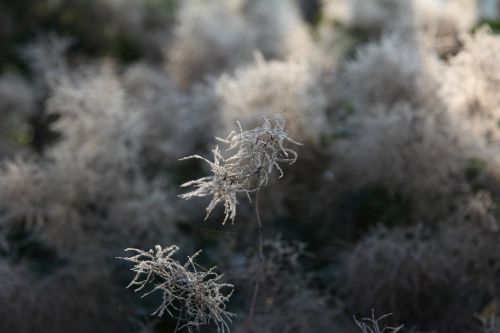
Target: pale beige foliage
{"points": [[410, 151], [209, 38], [390, 70], [267, 86], [213, 37], [279, 29], [470, 87], [437, 22]]}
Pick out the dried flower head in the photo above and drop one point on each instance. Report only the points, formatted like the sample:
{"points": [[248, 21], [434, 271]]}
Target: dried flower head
{"points": [[253, 155], [191, 294]]}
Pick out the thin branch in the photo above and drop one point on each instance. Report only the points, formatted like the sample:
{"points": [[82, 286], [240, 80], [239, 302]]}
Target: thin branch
{"points": [[177, 325], [259, 230], [249, 321]]}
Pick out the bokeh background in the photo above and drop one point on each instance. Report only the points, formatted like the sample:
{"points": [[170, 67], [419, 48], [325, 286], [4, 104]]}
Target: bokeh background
{"points": [[392, 206]]}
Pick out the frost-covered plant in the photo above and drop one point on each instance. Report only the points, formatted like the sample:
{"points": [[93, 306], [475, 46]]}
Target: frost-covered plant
{"points": [[210, 37], [266, 86], [191, 294], [94, 105], [216, 36], [391, 70], [438, 22], [16, 98], [371, 325], [280, 31], [442, 22], [253, 155], [91, 178], [470, 87], [47, 58], [22, 187], [178, 122], [433, 279], [17, 105], [491, 324], [410, 151], [285, 290], [374, 17], [52, 295]]}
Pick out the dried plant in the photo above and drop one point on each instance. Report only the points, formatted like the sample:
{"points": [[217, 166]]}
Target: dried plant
{"points": [[263, 87], [409, 71], [439, 21], [178, 122], [255, 154], [491, 324], [401, 128], [410, 151], [279, 29], [17, 105], [401, 270], [81, 295], [191, 294], [210, 37], [470, 87], [286, 289], [46, 57], [371, 325]]}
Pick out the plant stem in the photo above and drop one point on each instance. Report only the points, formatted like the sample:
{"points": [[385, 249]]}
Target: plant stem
{"points": [[259, 230], [177, 325], [249, 321]]}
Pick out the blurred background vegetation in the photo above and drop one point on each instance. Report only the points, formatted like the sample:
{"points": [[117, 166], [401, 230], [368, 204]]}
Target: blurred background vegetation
{"points": [[395, 193]]}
